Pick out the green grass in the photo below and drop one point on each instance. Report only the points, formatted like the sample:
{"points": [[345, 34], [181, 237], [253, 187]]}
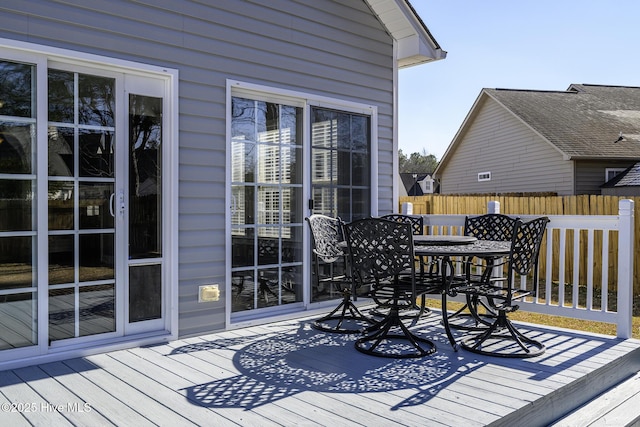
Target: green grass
{"points": [[561, 322]]}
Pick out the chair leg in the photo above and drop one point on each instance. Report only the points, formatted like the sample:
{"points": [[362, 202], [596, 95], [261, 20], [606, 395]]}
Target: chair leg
{"points": [[383, 339], [333, 322], [493, 342]]}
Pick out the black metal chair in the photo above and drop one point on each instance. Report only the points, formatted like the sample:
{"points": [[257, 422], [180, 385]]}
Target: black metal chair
{"points": [[379, 251], [501, 337], [330, 256], [497, 227], [417, 223], [382, 296]]}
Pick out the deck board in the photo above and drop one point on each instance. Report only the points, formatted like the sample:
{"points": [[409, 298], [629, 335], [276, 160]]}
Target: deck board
{"points": [[288, 373]]}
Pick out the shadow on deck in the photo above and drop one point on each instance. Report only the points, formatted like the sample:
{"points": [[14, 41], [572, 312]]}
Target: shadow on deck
{"points": [[285, 360]]}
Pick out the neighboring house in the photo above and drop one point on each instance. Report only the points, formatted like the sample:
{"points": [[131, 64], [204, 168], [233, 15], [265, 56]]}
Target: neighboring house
{"points": [[522, 141], [417, 184], [157, 160], [625, 183]]}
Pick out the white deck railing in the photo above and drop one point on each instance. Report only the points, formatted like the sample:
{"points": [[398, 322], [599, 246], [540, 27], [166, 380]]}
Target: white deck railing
{"points": [[576, 254]]}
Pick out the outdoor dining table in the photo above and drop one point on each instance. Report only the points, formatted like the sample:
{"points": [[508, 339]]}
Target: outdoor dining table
{"points": [[443, 249]]}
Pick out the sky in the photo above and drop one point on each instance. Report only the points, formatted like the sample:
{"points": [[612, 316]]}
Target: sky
{"points": [[513, 44]]}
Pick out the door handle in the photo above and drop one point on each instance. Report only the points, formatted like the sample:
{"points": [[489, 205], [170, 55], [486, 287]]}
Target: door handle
{"points": [[111, 198], [120, 201]]}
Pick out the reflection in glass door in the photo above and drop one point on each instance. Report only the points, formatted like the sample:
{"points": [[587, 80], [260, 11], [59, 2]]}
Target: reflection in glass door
{"points": [[145, 296], [81, 207], [81, 210], [267, 204], [18, 263], [340, 172]]}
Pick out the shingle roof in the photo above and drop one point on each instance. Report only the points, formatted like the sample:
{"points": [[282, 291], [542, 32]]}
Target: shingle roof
{"points": [[628, 178], [582, 122]]}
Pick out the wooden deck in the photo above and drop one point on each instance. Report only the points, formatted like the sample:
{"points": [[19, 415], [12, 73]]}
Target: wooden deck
{"points": [[290, 374]]}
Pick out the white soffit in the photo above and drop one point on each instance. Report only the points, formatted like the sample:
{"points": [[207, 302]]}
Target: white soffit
{"points": [[416, 45]]}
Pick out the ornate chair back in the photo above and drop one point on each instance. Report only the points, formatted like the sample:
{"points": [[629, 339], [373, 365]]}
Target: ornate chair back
{"points": [[490, 227], [326, 234], [417, 224], [525, 246], [379, 249]]}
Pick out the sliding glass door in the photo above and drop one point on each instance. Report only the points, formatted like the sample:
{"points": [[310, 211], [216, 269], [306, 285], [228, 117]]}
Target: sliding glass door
{"points": [[267, 204], [81, 207]]}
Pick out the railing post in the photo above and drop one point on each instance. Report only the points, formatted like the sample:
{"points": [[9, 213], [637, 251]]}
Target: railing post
{"points": [[493, 207], [625, 268], [407, 208]]}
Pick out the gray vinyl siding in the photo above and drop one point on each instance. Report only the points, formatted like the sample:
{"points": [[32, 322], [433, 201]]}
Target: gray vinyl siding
{"points": [[330, 48], [590, 174], [518, 159]]}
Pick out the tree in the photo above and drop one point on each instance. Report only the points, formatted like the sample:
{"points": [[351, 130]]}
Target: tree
{"points": [[416, 162]]}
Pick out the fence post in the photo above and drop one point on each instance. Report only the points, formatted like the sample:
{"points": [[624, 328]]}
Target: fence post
{"points": [[493, 207], [407, 208], [625, 268]]}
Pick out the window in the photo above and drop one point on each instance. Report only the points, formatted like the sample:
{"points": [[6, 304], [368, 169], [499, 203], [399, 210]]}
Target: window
{"points": [[484, 176], [610, 173]]}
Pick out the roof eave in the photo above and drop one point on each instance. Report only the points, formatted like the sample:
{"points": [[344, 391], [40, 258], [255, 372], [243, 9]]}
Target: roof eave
{"points": [[415, 43]]}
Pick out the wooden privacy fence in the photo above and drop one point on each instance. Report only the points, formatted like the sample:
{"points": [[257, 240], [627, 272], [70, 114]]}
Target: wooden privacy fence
{"points": [[550, 206]]}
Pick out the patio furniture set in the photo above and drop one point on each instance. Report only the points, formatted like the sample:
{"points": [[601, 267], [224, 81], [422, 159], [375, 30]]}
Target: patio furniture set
{"points": [[399, 267]]}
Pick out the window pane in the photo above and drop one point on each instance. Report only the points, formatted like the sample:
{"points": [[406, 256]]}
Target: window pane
{"points": [[292, 205], [145, 177], [243, 162], [145, 293], [243, 205], [16, 147], [268, 205], [242, 247], [18, 326], [268, 282], [62, 314], [359, 133], [16, 262], [96, 153], [96, 100], [361, 203], [268, 245], [291, 128], [61, 148], [269, 164], [323, 128], [16, 91], [96, 257], [61, 260], [291, 284], [291, 244], [345, 206], [361, 169], [344, 169], [61, 203], [97, 309], [325, 201], [94, 205], [243, 121], [60, 96], [16, 205], [344, 140], [291, 165]]}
